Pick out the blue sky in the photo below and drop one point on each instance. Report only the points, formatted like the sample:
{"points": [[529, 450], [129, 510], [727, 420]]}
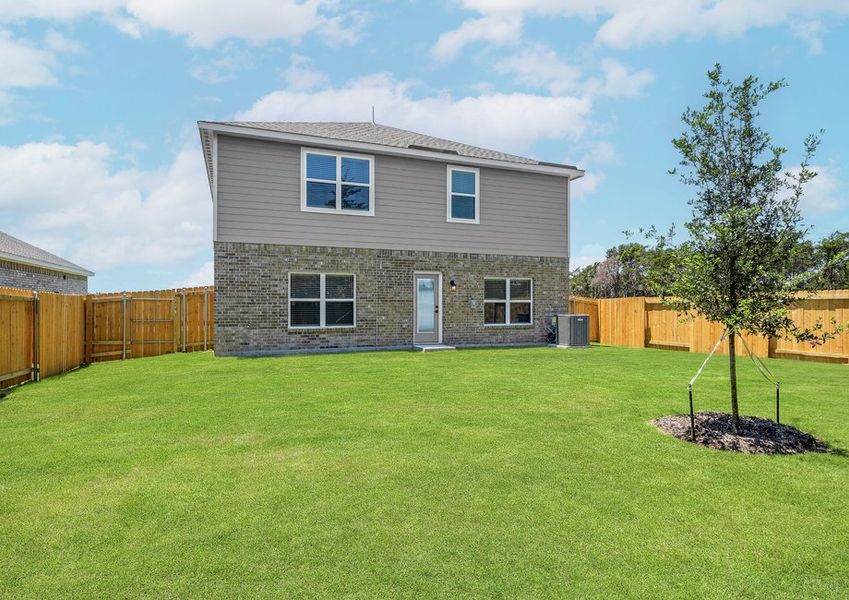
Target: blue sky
{"points": [[100, 162]]}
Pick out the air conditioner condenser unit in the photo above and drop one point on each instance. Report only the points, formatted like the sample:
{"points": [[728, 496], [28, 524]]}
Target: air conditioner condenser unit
{"points": [[573, 331]]}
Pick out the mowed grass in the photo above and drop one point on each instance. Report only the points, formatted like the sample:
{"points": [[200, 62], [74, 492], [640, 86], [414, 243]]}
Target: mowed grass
{"points": [[477, 473]]}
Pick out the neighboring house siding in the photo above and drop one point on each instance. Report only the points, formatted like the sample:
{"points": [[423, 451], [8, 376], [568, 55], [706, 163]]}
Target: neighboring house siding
{"points": [[16, 275], [259, 187], [252, 296]]}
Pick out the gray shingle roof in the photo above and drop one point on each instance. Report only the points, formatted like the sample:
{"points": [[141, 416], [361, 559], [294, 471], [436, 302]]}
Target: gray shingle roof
{"points": [[18, 250], [378, 135], [384, 135]]}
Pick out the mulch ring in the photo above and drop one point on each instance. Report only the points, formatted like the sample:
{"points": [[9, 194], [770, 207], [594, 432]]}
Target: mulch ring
{"points": [[756, 435]]}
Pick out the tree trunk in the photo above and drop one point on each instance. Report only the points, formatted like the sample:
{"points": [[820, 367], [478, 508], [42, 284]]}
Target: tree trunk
{"points": [[732, 365]]}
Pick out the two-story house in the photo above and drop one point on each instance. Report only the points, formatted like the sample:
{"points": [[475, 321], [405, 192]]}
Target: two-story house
{"points": [[359, 235]]}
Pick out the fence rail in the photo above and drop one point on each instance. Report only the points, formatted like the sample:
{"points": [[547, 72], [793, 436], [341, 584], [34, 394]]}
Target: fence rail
{"points": [[44, 334], [648, 323]]}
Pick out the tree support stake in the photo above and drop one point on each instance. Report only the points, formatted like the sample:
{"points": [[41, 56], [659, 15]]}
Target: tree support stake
{"points": [[692, 414]]}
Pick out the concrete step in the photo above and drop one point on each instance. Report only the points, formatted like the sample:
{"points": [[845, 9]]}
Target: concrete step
{"points": [[433, 347]]}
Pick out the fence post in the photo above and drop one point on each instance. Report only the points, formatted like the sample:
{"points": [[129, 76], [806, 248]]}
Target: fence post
{"points": [[183, 320], [205, 312], [34, 375], [93, 329], [124, 327], [175, 321]]}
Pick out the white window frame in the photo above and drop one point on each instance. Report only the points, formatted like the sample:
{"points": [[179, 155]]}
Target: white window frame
{"points": [[477, 172], [322, 301], [508, 301], [339, 156]]}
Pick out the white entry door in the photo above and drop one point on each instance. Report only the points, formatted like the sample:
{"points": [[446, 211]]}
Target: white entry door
{"points": [[427, 301]]}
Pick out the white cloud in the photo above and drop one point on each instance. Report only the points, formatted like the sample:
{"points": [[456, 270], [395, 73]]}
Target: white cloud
{"points": [[56, 41], [113, 218], [204, 275], [595, 153], [511, 122], [230, 62], [126, 25], [255, 20], [495, 29], [23, 64], [600, 151], [15, 10], [619, 81], [824, 194], [588, 184], [810, 31], [300, 74], [202, 24], [639, 24], [628, 24], [587, 255], [26, 64], [539, 66]]}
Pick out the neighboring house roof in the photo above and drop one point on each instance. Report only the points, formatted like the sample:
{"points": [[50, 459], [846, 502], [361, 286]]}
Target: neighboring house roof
{"points": [[372, 136], [15, 250]]}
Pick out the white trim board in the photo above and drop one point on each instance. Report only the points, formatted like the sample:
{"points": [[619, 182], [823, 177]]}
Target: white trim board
{"points": [[214, 185]]}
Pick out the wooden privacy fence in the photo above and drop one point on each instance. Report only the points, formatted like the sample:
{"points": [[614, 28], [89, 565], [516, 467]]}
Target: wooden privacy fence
{"points": [[138, 324], [648, 323], [40, 335], [44, 334]]}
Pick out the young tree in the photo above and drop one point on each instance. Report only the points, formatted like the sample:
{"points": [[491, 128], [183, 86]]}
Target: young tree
{"points": [[735, 267]]}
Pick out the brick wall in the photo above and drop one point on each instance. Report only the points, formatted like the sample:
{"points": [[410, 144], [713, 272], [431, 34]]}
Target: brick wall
{"points": [[251, 296], [41, 280]]}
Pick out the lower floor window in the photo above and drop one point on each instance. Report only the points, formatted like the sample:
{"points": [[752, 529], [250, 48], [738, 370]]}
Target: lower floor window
{"points": [[508, 301], [321, 300]]}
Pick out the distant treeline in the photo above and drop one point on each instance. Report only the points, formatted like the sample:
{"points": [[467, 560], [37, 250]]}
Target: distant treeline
{"points": [[635, 269]]}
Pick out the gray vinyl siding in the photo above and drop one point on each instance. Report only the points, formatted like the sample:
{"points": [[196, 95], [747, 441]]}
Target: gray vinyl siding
{"points": [[259, 201]]}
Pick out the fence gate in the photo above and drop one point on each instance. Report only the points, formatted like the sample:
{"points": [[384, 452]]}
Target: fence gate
{"points": [[132, 327], [149, 324]]}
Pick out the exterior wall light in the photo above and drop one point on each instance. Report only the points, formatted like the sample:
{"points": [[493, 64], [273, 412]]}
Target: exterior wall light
{"points": [[453, 285]]}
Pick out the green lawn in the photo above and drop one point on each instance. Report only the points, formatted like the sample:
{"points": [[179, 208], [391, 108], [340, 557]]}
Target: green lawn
{"points": [[495, 473]]}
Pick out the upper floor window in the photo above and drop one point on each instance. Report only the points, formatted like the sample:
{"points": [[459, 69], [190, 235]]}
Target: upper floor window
{"points": [[335, 182], [463, 195]]}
